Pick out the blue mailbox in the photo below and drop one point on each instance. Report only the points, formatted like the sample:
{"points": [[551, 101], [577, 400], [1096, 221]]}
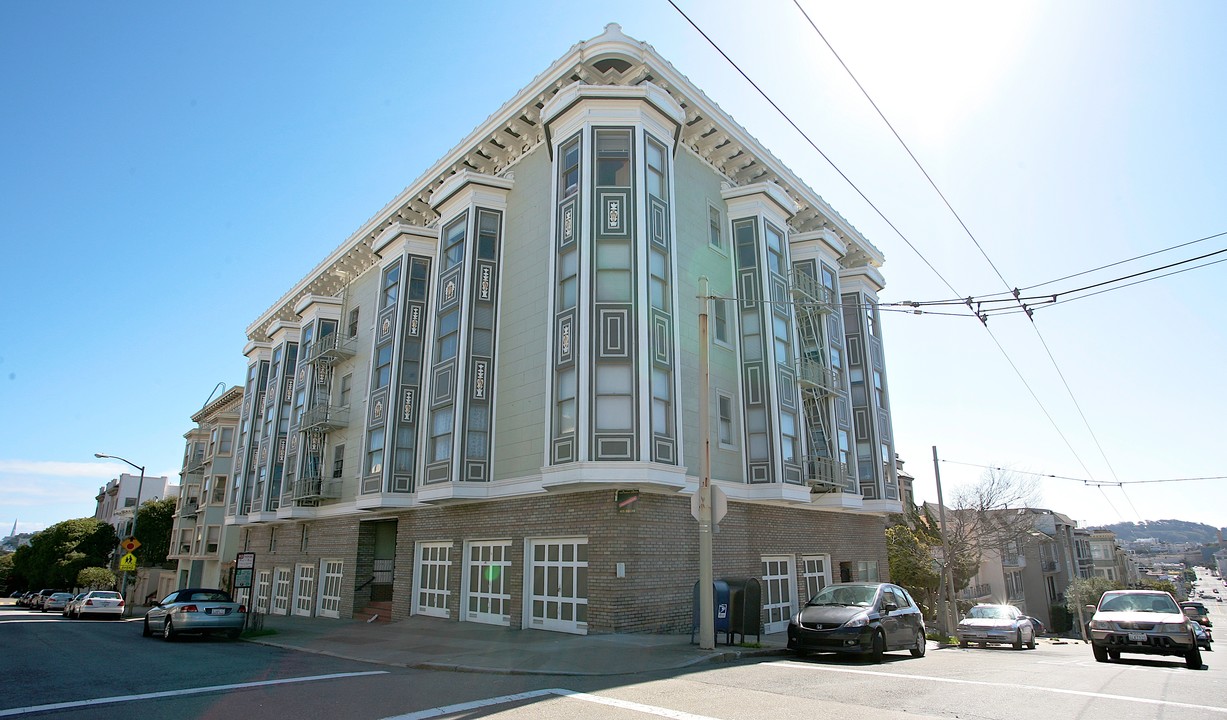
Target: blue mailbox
{"points": [[721, 608]]}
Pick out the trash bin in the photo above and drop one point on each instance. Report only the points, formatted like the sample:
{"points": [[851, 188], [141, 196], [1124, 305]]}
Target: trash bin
{"points": [[720, 608], [745, 608]]}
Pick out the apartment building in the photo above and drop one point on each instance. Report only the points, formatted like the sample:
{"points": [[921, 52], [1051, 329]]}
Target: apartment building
{"points": [[202, 545], [484, 405], [117, 501]]}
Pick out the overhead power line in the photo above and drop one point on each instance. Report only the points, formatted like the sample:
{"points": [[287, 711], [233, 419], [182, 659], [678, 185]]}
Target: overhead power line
{"points": [[1088, 483]]}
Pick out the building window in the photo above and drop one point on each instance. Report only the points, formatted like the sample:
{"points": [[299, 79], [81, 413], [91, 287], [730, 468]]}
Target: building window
{"points": [[374, 452], [391, 286], [338, 461], [304, 593], [724, 413], [272, 539], [714, 236], [658, 184], [219, 490], [614, 399], [568, 175], [453, 243], [662, 403], [441, 435], [347, 384], [613, 158], [720, 320], [816, 573], [867, 570], [212, 539], [264, 586], [226, 444], [353, 322], [568, 279], [383, 366], [565, 416], [281, 592], [879, 393], [302, 540], [448, 335]]}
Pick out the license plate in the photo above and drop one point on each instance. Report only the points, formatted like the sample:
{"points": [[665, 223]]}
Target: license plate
{"points": [[222, 611], [1137, 637]]}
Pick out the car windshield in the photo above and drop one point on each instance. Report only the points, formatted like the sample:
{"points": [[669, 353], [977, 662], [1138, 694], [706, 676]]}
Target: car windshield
{"points": [[994, 612], [861, 595], [1138, 603]]}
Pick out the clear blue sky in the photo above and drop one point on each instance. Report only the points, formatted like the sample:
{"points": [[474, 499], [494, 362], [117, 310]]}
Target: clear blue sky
{"points": [[170, 170]]}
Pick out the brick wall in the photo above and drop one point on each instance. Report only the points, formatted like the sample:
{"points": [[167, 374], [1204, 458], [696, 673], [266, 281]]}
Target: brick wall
{"points": [[658, 543]]}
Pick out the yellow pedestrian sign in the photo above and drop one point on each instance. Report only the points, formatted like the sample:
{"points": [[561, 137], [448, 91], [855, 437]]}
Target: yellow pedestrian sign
{"points": [[127, 563]]}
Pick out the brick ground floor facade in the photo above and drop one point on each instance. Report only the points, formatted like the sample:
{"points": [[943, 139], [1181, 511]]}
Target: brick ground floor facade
{"points": [[581, 562]]}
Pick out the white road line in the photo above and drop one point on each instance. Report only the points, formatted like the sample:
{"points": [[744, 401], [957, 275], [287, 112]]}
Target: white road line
{"points": [[176, 693], [561, 692], [1082, 693]]}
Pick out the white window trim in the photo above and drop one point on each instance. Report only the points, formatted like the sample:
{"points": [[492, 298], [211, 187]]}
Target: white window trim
{"points": [[465, 584], [322, 583], [299, 598], [419, 576], [725, 226], [736, 432]]}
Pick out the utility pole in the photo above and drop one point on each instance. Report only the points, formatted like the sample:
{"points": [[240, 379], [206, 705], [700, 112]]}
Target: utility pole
{"points": [[948, 561], [707, 620]]}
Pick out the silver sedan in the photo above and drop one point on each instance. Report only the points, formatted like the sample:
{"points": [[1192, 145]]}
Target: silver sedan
{"points": [[201, 611]]}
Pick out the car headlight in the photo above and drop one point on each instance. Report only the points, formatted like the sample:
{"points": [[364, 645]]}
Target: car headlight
{"points": [[1100, 625], [1171, 627], [858, 621]]}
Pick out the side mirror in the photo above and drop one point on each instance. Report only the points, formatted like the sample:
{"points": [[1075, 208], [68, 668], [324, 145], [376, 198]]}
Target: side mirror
{"points": [[1090, 609], [889, 607]]}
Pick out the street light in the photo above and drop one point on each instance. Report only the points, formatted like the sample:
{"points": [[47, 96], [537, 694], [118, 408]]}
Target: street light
{"points": [[140, 488]]}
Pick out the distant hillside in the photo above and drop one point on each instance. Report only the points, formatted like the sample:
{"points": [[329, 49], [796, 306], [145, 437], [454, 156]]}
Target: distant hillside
{"points": [[1172, 531]]}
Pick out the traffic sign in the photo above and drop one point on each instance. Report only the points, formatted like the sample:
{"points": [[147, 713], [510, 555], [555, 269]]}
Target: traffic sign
{"points": [[130, 543], [127, 563]]}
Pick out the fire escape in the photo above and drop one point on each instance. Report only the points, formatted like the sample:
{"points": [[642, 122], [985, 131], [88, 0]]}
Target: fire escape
{"points": [[314, 483], [818, 384]]}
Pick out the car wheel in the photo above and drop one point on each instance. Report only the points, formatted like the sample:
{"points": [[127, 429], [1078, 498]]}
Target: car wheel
{"points": [[1018, 640], [919, 650], [962, 643], [1193, 659], [168, 631], [1114, 655], [1031, 642], [879, 647], [145, 631], [1101, 653]]}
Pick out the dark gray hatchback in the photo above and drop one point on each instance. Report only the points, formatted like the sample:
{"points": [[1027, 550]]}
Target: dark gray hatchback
{"points": [[866, 619]]}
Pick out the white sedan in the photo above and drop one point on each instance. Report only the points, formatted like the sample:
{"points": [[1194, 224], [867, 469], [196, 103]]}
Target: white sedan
{"points": [[998, 625], [99, 602]]}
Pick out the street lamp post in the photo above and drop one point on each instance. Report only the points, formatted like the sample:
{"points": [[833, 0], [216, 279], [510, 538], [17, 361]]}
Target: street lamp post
{"points": [[140, 488]]}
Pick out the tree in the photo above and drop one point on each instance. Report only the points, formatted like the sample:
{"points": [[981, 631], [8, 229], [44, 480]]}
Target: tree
{"points": [[914, 551], [1087, 591], [55, 556], [1164, 585], [154, 523], [7, 578], [96, 578]]}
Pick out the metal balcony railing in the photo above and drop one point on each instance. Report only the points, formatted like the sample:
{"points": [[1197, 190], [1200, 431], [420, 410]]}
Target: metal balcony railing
{"points": [[809, 290], [325, 418], [316, 488], [813, 375], [1050, 565], [825, 474], [332, 348]]}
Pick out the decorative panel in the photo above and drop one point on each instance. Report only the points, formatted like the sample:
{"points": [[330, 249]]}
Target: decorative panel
{"points": [[408, 403], [614, 213], [614, 324], [753, 378], [449, 288], [615, 447], [485, 281], [478, 384], [475, 472], [378, 409], [568, 216], [760, 473], [414, 323], [664, 450], [564, 449], [658, 222], [662, 338], [441, 386], [564, 340], [385, 325]]}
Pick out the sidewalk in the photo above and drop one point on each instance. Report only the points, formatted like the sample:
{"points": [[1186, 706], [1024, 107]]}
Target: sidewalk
{"points": [[437, 644]]}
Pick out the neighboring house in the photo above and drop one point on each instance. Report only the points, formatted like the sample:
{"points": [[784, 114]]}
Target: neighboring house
{"points": [[201, 542], [484, 404], [117, 500], [1033, 570], [1111, 561]]}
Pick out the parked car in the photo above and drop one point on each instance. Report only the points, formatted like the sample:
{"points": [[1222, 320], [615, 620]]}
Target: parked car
{"points": [[36, 602], [195, 610], [865, 619], [100, 602], [1142, 621], [24, 599], [996, 625], [55, 601], [1203, 636], [1198, 612], [71, 604], [1037, 626]]}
